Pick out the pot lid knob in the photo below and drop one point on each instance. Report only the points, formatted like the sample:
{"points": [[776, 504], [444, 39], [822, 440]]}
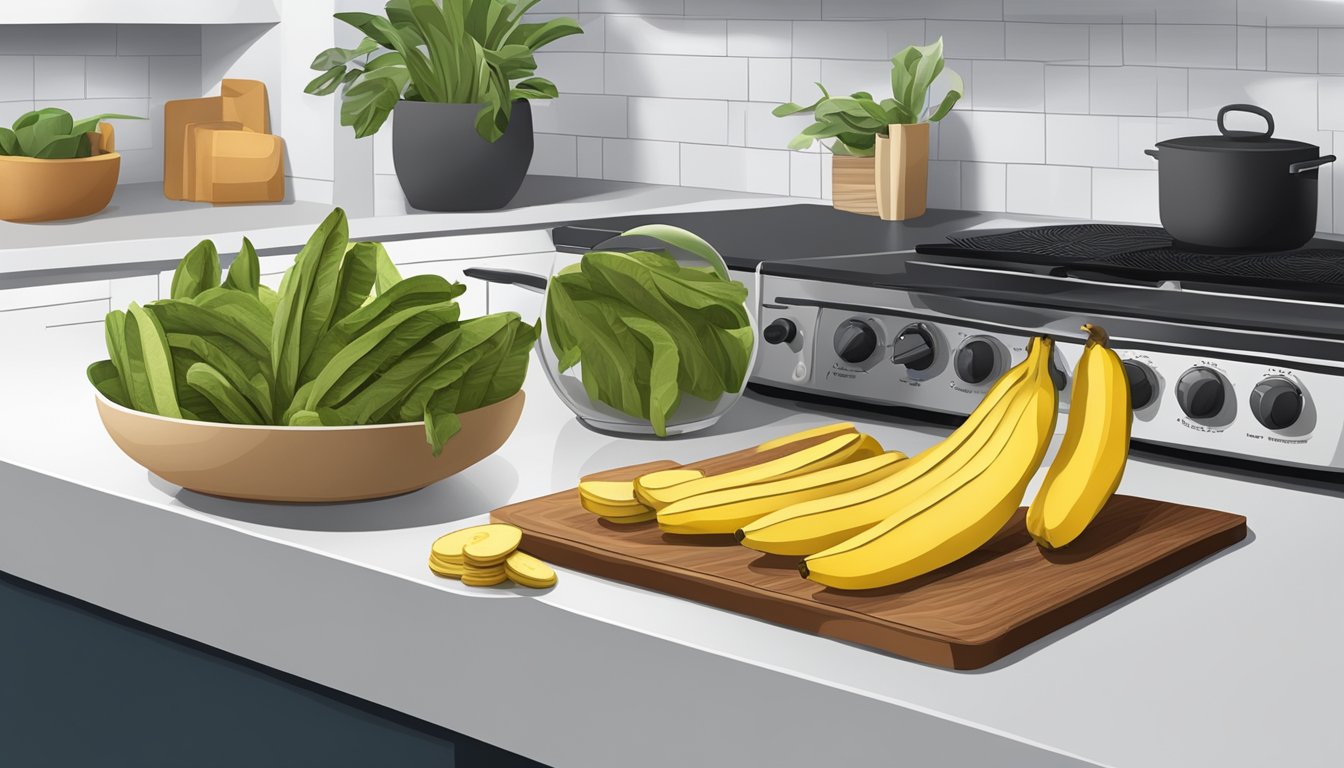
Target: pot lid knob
{"points": [[1246, 135]]}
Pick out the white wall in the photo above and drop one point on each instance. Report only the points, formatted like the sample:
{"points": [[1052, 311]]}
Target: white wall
{"points": [[1062, 97]]}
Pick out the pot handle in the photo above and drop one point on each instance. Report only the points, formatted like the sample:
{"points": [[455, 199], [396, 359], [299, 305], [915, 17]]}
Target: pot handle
{"points": [[1252, 109], [1307, 165], [1152, 153], [534, 283]]}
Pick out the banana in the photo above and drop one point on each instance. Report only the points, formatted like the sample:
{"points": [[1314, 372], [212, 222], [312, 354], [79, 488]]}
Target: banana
{"points": [[1091, 459], [833, 452], [838, 428], [946, 525], [613, 500], [661, 480], [727, 510], [810, 527]]}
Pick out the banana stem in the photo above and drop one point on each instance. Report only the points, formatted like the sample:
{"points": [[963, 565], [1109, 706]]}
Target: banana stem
{"points": [[1096, 334]]}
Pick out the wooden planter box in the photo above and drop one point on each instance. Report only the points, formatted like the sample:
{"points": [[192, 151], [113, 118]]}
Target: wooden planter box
{"points": [[893, 184]]}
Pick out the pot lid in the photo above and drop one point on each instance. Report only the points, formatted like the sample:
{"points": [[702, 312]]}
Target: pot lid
{"points": [[1241, 141]]}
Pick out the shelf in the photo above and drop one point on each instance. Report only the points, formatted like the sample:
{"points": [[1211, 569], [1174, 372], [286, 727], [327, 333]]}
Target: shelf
{"points": [[140, 12]]}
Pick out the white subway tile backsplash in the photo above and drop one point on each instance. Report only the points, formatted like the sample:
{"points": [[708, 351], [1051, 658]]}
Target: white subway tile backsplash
{"points": [[827, 165], [140, 166], [116, 77], [157, 40], [806, 74], [1014, 86], [572, 71], [711, 77], [1173, 92], [905, 33], [1290, 98], [1050, 190], [737, 123], [1046, 42], [1134, 11], [1331, 55], [760, 38], [769, 80], [660, 34], [944, 184], [755, 9], [805, 174], [1081, 140], [743, 170], [1135, 135], [60, 39], [1140, 44], [1251, 47], [589, 157], [842, 77], [581, 115], [913, 9], [383, 159], [697, 120], [996, 137], [1176, 127], [764, 130], [593, 39], [1331, 117], [1128, 196], [1290, 13], [58, 77], [648, 162], [1123, 90], [1066, 89], [175, 77], [967, 39], [1197, 45], [1290, 49], [984, 186], [554, 155], [654, 7], [16, 78], [1106, 46], [839, 40], [12, 110]]}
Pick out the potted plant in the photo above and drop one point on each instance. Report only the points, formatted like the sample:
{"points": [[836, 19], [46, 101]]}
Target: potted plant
{"points": [[55, 167], [881, 163], [459, 74]]}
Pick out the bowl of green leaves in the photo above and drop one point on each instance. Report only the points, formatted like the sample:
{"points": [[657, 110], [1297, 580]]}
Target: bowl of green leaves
{"points": [[347, 383], [647, 334]]}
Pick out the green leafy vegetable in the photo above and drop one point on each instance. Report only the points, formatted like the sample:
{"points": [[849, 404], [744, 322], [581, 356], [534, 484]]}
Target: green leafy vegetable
{"points": [[856, 122], [52, 134], [324, 351], [645, 329], [443, 51]]}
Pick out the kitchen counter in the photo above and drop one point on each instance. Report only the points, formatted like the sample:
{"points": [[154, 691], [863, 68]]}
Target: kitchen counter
{"points": [[1232, 662]]}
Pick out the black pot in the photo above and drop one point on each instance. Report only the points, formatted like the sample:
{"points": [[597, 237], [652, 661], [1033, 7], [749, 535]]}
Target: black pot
{"points": [[1241, 190], [443, 164]]}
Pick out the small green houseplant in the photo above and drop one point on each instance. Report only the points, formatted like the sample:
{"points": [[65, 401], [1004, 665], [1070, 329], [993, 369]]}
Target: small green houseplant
{"points": [[876, 139], [53, 166], [446, 67]]}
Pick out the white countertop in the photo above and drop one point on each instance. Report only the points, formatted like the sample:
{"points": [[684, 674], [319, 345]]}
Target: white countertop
{"points": [[140, 227], [1232, 662]]}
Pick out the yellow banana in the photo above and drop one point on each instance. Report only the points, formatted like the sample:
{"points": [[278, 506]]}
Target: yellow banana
{"points": [[838, 428], [1091, 459], [809, 527], [727, 510], [833, 452], [944, 526], [613, 500]]}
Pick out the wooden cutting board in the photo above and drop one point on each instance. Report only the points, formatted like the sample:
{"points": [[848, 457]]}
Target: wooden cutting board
{"points": [[964, 616]]}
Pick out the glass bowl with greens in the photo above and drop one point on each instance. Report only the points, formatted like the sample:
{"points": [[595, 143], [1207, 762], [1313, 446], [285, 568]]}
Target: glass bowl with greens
{"points": [[647, 333]]}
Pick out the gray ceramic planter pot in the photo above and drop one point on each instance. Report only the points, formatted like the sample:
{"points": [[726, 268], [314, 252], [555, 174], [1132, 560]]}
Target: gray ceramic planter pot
{"points": [[444, 165]]}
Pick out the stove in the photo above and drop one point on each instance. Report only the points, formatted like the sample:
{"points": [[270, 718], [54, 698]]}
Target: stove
{"points": [[1237, 355]]}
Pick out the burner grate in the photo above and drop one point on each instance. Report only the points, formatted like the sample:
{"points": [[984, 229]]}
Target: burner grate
{"points": [[1067, 242]]}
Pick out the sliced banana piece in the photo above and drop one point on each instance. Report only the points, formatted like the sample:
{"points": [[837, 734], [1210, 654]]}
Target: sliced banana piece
{"points": [[528, 571], [490, 550], [448, 547]]}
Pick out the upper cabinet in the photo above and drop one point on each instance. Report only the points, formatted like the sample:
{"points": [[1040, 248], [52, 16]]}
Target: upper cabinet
{"points": [[141, 12]]}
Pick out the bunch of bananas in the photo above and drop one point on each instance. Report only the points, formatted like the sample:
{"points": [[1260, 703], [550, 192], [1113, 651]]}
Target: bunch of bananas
{"points": [[863, 518]]}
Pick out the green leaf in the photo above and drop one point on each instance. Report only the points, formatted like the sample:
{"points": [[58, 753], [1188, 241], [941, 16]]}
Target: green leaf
{"points": [[90, 124], [388, 275], [9, 143], [339, 57], [150, 383], [306, 419], [307, 302], [37, 129], [685, 240], [326, 83], [441, 422], [356, 280], [65, 148], [535, 88], [245, 271], [664, 394], [367, 104], [104, 377], [205, 379], [196, 272], [953, 95]]}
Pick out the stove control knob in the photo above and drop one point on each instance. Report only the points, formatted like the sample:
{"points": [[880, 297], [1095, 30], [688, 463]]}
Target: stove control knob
{"points": [[977, 360], [1201, 392], [913, 348], [1142, 384], [781, 331], [856, 341], [1276, 402]]}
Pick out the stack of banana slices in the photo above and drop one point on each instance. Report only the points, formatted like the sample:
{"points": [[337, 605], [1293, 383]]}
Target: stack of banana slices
{"points": [[862, 517], [486, 555]]}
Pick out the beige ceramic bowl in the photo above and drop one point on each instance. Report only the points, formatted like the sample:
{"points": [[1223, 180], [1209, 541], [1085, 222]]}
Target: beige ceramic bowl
{"points": [[43, 190], [304, 464]]}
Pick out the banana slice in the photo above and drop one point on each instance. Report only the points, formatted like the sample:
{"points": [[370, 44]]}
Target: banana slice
{"points": [[491, 550], [528, 571], [489, 580], [448, 547], [613, 500], [446, 570]]}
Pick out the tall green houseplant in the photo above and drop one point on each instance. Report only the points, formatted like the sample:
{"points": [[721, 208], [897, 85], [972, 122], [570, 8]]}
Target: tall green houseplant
{"points": [[457, 52], [881, 148]]}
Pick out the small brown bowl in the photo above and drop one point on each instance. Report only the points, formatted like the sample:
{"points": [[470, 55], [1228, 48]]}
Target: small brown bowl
{"points": [[304, 464], [32, 189]]}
